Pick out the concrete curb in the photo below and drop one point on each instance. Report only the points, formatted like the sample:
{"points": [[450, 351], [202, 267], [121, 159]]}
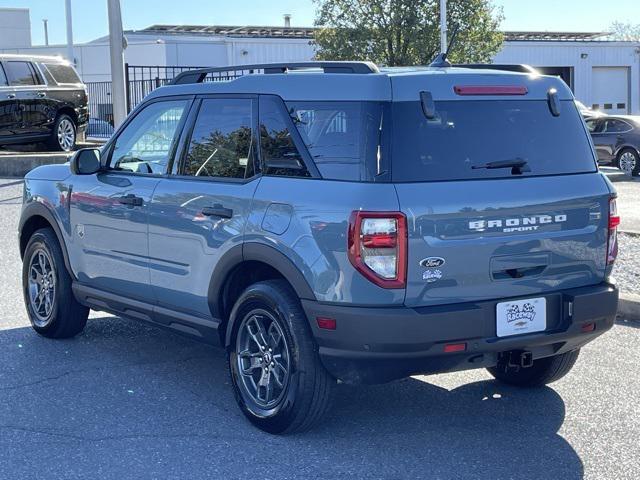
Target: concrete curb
{"points": [[629, 307], [21, 164]]}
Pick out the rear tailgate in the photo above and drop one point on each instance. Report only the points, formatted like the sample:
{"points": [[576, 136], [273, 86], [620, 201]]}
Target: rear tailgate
{"points": [[489, 239], [500, 187]]}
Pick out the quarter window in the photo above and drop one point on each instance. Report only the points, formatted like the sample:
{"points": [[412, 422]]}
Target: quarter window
{"points": [[21, 73], [279, 152], [146, 144], [62, 73], [222, 143]]}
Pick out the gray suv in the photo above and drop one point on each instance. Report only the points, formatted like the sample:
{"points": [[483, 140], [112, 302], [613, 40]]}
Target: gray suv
{"points": [[330, 222]]}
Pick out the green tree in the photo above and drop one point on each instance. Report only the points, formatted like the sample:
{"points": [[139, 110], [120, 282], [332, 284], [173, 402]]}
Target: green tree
{"points": [[627, 32], [405, 32]]}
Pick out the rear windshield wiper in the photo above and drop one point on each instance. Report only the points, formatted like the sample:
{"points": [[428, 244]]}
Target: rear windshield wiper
{"points": [[517, 165]]}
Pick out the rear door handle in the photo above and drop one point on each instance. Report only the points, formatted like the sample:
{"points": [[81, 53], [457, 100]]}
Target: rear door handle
{"points": [[130, 199], [41, 94], [11, 95], [217, 211]]}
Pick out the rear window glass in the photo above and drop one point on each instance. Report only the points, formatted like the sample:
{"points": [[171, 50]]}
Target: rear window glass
{"points": [[62, 73], [342, 137], [468, 133], [21, 73]]}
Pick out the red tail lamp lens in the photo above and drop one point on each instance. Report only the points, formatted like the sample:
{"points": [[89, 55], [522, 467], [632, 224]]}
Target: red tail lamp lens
{"points": [[326, 323]]}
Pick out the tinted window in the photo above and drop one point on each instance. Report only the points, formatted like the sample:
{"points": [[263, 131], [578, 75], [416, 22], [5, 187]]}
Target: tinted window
{"points": [[342, 137], [21, 73], [146, 144], [62, 73], [592, 125], [468, 133], [616, 126], [3, 78], [279, 152], [222, 141]]}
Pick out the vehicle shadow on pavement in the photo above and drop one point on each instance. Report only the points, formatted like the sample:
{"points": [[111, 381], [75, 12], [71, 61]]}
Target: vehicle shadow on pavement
{"points": [[130, 400]]}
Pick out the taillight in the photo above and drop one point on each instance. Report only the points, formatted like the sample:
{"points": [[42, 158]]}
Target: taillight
{"points": [[612, 241], [378, 247]]}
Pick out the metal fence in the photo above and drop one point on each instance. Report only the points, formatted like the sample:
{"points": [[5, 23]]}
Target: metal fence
{"points": [[100, 110], [140, 81]]}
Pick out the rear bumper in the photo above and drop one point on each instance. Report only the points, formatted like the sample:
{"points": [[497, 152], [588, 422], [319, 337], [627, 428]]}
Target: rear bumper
{"points": [[377, 345]]}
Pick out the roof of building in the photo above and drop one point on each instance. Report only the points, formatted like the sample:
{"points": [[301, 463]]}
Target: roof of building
{"points": [[262, 31], [231, 30]]}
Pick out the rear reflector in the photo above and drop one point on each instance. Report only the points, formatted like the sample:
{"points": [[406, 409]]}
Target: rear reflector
{"points": [[455, 347], [326, 323], [490, 90], [588, 327]]}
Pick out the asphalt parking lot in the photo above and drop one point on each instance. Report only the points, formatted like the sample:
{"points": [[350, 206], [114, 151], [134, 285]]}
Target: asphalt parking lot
{"points": [[126, 400]]}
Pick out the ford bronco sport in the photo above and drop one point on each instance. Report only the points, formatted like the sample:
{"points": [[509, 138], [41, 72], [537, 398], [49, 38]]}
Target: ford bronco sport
{"points": [[333, 222]]}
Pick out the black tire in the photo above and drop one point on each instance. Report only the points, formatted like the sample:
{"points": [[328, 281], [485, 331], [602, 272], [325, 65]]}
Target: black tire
{"points": [[66, 317], [55, 143], [629, 152], [544, 371], [306, 395]]}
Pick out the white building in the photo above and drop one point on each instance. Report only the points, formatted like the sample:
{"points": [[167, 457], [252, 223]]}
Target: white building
{"points": [[602, 74], [15, 28]]}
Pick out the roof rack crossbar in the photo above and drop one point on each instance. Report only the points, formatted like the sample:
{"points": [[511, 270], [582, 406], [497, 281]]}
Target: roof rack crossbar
{"points": [[199, 76]]}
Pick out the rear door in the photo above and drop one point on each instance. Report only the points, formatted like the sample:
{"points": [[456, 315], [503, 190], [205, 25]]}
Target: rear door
{"points": [[9, 117], [31, 95], [199, 213], [478, 233]]}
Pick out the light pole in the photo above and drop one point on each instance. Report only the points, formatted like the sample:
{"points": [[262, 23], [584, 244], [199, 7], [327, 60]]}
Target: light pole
{"points": [[67, 8], [116, 51], [46, 31], [443, 26]]}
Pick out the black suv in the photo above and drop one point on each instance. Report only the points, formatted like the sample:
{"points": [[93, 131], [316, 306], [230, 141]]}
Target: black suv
{"points": [[42, 99]]}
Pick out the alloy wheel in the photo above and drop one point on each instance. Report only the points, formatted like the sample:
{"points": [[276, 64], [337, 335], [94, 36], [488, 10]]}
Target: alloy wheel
{"points": [[66, 134], [42, 286], [627, 162], [263, 359]]}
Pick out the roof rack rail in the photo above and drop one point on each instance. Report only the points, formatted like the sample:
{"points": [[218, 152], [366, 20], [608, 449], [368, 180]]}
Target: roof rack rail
{"points": [[523, 68], [199, 76]]}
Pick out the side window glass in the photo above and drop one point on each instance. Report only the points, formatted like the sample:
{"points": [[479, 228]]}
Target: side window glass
{"points": [[616, 126], [62, 73], [3, 78], [222, 143], [145, 145], [47, 74], [591, 125], [20, 73], [279, 152]]}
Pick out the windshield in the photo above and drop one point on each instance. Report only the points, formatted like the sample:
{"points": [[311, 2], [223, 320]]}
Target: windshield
{"points": [[468, 135]]}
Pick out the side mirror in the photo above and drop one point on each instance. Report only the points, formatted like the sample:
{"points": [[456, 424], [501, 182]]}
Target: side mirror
{"points": [[85, 162]]}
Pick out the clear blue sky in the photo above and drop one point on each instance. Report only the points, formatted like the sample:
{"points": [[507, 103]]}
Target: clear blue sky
{"points": [[90, 16]]}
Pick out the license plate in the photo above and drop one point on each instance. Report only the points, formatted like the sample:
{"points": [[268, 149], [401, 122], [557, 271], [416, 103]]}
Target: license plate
{"points": [[521, 316]]}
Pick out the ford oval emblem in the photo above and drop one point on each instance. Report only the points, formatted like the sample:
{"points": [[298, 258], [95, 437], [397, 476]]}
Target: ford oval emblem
{"points": [[432, 262]]}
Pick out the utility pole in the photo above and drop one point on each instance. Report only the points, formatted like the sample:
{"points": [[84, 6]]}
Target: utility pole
{"points": [[67, 8], [46, 31], [116, 50], [443, 26]]}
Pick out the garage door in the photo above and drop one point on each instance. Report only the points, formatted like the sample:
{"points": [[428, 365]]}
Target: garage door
{"points": [[610, 89]]}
